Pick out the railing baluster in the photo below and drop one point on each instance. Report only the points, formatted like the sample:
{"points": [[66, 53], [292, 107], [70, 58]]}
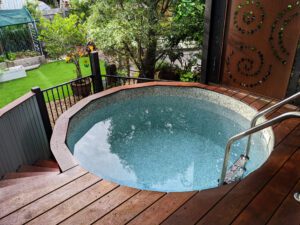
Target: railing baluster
{"points": [[49, 103], [61, 108], [54, 101], [62, 90], [68, 94]]}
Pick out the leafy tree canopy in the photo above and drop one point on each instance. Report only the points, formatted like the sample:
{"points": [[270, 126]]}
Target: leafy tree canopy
{"points": [[64, 37], [142, 30]]}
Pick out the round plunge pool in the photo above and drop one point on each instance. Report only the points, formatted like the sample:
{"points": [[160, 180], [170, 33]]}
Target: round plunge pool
{"points": [[163, 138]]}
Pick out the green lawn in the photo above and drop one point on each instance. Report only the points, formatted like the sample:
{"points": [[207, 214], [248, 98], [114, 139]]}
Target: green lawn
{"points": [[46, 76]]}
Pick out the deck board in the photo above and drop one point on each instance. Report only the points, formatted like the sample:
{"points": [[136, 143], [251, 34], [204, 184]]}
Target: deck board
{"points": [[13, 198], [131, 208], [101, 207], [51, 200], [289, 210], [257, 212], [75, 204], [197, 206], [78, 197], [162, 208]]}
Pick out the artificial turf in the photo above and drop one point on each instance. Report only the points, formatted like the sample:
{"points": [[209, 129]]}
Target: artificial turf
{"points": [[45, 76]]}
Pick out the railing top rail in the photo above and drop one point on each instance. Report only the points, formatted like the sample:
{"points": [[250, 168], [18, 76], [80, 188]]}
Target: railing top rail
{"points": [[250, 131]]}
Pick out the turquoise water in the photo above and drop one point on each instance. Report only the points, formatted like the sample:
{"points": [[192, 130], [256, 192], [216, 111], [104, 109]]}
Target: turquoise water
{"points": [[161, 143]]}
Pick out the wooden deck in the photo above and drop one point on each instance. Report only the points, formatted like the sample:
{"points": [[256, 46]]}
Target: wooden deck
{"points": [[78, 197]]}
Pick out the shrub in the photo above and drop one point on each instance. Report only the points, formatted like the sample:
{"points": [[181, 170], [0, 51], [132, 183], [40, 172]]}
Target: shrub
{"points": [[11, 56], [2, 58], [188, 77]]}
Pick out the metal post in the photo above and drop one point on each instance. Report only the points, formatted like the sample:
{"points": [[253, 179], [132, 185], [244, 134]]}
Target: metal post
{"points": [[96, 72], [43, 110]]}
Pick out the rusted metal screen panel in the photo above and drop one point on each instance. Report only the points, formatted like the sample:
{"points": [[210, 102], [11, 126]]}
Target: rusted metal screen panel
{"points": [[261, 42], [22, 136]]}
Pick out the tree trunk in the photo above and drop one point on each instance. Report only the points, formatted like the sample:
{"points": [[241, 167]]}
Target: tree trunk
{"points": [[149, 61], [78, 69]]}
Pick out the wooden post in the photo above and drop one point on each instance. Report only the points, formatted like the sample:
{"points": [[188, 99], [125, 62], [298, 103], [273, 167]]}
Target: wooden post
{"points": [[96, 72], [43, 110]]}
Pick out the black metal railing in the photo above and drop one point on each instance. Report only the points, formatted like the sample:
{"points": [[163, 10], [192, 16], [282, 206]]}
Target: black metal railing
{"points": [[110, 81], [55, 100], [61, 97]]}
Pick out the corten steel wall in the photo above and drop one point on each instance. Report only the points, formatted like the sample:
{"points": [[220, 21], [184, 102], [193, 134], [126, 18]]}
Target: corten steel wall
{"points": [[260, 45], [22, 136]]}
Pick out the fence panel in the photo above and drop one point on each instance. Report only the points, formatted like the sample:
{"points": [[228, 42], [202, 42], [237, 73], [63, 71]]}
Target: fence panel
{"points": [[23, 139]]}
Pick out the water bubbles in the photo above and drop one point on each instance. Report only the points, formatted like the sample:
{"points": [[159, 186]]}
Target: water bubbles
{"points": [[169, 125]]}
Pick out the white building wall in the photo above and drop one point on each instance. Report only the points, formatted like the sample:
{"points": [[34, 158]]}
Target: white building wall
{"points": [[12, 4]]}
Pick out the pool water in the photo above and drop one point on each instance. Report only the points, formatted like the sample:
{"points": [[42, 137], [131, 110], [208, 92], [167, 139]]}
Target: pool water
{"points": [[161, 143]]}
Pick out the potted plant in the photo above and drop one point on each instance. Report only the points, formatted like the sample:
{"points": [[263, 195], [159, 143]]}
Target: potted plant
{"points": [[65, 37]]}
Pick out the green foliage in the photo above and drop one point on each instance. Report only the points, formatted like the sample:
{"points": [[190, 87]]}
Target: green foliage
{"points": [[32, 7], [122, 73], [27, 53], [2, 58], [82, 8], [188, 22], [131, 29], [64, 37], [11, 56], [142, 30], [187, 77], [15, 38]]}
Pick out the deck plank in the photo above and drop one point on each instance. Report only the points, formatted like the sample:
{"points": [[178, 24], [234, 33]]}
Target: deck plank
{"points": [[75, 204], [282, 130], [162, 208], [245, 191], [101, 207], [289, 211], [23, 180], [49, 201], [240, 95], [263, 206], [130, 208], [15, 197], [198, 206], [250, 99], [260, 103]]}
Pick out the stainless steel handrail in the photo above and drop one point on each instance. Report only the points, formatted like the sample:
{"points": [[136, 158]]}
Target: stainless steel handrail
{"points": [[251, 131], [264, 112]]}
